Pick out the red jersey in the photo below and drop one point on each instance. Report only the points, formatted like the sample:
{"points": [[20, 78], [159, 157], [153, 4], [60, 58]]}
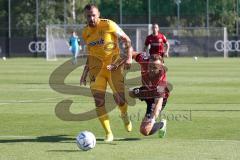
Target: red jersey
{"points": [[158, 80], [156, 43]]}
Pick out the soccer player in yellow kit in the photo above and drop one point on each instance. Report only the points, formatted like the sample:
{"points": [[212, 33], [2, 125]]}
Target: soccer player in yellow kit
{"points": [[101, 37]]}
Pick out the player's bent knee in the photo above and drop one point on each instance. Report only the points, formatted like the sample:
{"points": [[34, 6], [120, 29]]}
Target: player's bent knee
{"points": [[145, 128], [99, 99], [144, 131]]}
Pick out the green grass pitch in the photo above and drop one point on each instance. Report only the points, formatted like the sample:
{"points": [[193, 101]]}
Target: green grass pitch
{"points": [[203, 115]]}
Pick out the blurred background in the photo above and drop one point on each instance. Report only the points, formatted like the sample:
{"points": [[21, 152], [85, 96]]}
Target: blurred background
{"points": [[193, 27]]}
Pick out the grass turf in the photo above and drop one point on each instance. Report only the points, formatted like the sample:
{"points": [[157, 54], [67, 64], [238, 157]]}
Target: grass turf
{"points": [[203, 114]]}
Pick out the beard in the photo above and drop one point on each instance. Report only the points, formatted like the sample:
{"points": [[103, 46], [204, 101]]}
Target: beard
{"points": [[91, 23]]}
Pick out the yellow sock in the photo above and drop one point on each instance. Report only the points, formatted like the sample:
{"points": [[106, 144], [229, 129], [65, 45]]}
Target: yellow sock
{"points": [[123, 108], [104, 119]]}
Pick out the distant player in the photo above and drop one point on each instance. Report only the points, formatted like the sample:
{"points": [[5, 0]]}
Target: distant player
{"points": [[74, 42], [158, 42]]}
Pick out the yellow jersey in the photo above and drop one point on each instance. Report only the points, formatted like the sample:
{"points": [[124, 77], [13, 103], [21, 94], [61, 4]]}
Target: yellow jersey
{"points": [[102, 40]]}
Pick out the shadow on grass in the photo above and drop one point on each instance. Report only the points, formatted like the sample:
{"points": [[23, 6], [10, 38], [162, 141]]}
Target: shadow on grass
{"points": [[58, 138], [100, 141], [128, 139], [66, 150], [55, 138], [121, 139]]}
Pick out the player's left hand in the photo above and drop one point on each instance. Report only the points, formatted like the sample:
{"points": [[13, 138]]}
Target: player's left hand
{"points": [[112, 67], [128, 63]]}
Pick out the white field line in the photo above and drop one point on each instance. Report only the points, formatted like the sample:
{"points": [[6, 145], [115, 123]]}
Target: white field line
{"points": [[208, 140], [219, 140], [27, 101]]}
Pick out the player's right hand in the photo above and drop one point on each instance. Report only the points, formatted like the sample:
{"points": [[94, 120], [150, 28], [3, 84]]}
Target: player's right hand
{"points": [[83, 81]]}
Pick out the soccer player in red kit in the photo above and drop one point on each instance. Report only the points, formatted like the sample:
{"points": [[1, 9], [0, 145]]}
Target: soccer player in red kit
{"points": [[154, 92], [158, 42]]}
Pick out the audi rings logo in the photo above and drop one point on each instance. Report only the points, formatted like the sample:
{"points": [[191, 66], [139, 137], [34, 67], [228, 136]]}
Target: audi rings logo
{"points": [[231, 45], [37, 46]]}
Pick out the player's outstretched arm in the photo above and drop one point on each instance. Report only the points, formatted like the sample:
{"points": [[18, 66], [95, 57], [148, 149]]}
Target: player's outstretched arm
{"points": [[121, 61], [145, 48], [127, 50], [116, 64], [167, 49]]}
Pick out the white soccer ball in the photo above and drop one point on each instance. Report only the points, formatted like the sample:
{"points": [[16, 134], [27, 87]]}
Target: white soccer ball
{"points": [[195, 58], [4, 58], [86, 140]]}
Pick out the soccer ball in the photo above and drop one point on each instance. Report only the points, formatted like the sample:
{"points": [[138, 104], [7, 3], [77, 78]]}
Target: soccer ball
{"points": [[86, 140]]}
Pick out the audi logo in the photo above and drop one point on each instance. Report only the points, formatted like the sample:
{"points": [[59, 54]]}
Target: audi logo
{"points": [[231, 45], [37, 46]]}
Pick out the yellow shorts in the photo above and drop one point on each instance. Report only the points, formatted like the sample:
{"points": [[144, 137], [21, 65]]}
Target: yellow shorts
{"points": [[99, 77]]}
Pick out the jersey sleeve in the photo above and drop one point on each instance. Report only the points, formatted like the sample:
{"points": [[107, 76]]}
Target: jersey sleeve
{"points": [[114, 28], [139, 58], [147, 41], [164, 39]]}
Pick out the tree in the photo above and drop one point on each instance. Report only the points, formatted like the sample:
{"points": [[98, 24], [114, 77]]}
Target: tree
{"points": [[222, 13], [3, 18]]}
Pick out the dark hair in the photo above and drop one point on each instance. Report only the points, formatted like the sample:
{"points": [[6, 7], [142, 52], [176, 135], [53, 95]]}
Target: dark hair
{"points": [[90, 6], [155, 24], [155, 57]]}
